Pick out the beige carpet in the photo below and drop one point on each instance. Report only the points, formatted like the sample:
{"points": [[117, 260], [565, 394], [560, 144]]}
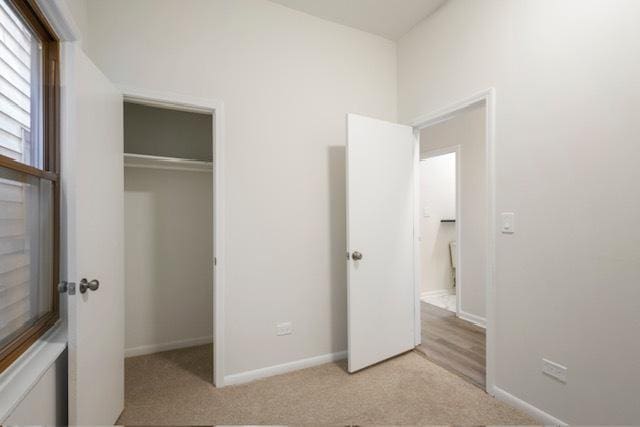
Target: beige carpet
{"points": [[173, 388]]}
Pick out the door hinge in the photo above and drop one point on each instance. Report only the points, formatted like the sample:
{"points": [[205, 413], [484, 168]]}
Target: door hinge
{"points": [[215, 261]]}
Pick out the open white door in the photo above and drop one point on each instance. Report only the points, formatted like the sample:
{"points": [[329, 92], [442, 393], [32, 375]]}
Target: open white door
{"points": [[380, 215], [94, 200]]}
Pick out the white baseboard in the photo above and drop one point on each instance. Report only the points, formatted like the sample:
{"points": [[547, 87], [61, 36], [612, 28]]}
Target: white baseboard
{"points": [[527, 408], [244, 377], [436, 293], [477, 320], [155, 348]]}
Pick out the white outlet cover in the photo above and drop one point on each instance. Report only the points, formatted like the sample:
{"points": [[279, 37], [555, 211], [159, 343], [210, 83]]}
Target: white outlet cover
{"points": [[554, 370], [284, 328]]}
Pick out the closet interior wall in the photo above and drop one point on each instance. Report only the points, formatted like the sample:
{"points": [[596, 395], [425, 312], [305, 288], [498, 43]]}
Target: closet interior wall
{"points": [[168, 229]]}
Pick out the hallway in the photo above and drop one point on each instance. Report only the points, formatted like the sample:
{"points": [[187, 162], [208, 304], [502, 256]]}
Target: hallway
{"points": [[454, 344]]}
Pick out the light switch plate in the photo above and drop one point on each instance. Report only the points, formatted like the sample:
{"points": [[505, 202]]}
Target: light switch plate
{"points": [[508, 222], [284, 328]]}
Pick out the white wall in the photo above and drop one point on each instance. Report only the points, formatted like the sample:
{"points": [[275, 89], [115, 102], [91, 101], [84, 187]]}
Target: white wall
{"points": [[566, 74], [46, 402], [467, 130], [438, 197], [79, 12], [168, 258], [287, 80]]}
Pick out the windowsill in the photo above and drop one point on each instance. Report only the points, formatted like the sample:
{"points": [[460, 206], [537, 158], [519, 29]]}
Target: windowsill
{"points": [[26, 371]]}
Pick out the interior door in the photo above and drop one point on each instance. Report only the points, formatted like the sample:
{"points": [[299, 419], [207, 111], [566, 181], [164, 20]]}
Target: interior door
{"points": [[380, 216], [94, 173]]}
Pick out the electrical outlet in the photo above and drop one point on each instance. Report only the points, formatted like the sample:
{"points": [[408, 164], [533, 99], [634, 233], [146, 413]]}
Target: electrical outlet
{"points": [[554, 370], [284, 328]]}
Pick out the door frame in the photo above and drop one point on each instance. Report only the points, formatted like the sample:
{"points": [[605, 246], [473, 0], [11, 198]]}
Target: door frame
{"points": [[487, 97], [455, 149], [215, 107]]}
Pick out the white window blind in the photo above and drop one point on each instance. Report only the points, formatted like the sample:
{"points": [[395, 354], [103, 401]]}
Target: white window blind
{"points": [[15, 86], [20, 195]]}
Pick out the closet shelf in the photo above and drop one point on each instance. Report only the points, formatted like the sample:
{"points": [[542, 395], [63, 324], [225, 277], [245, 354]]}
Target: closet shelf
{"points": [[170, 163]]}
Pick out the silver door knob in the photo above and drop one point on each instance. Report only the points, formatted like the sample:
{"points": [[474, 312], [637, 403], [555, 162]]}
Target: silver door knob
{"points": [[92, 285], [356, 256]]}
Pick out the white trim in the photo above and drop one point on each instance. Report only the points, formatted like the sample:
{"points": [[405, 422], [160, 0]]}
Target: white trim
{"points": [[452, 110], [488, 97], [269, 371], [490, 304], [143, 161], [170, 100], [22, 375], [476, 320], [417, 258], [457, 150], [173, 345], [437, 293], [215, 107], [60, 18], [538, 414], [188, 106]]}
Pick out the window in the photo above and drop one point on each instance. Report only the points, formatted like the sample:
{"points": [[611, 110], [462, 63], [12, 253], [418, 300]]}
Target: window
{"points": [[29, 178]]}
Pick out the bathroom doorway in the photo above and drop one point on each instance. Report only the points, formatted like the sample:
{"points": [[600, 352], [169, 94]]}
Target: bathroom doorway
{"points": [[438, 228], [452, 218]]}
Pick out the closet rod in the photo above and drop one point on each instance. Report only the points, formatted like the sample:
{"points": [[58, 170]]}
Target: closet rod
{"points": [[171, 163]]}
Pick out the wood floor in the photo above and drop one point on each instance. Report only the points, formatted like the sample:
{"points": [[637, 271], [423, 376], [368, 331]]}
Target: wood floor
{"points": [[453, 343]]}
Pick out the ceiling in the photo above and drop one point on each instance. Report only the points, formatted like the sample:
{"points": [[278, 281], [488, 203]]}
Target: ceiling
{"points": [[387, 18]]}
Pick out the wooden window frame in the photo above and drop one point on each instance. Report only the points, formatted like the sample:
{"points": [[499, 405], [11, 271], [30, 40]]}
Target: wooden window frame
{"points": [[50, 86]]}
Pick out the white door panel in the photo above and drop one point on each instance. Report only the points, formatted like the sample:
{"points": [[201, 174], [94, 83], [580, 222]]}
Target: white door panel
{"points": [[380, 204], [94, 175]]}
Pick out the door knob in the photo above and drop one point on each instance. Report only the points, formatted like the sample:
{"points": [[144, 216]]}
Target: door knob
{"points": [[92, 285], [356, 256]]}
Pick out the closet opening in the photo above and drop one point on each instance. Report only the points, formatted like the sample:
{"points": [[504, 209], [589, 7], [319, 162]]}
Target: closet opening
{"points": [[169, 238]]}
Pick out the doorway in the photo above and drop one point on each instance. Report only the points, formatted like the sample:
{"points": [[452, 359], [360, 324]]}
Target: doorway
{"points": [[439, 283], [383, 230], [190, 165], [453, 243], [168, 200]]}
